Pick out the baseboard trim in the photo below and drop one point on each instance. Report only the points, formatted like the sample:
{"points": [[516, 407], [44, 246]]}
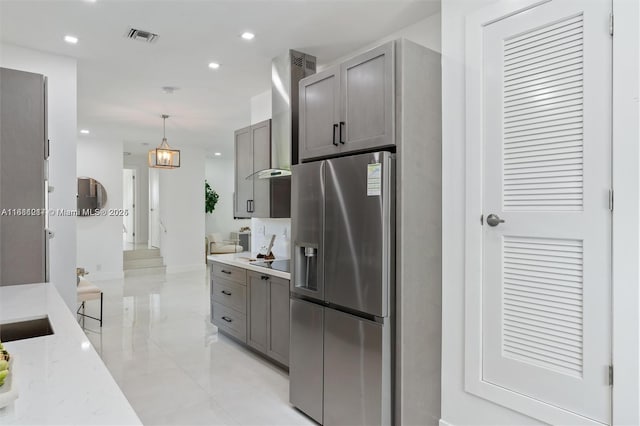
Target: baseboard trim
{"points": [[186, 268]]}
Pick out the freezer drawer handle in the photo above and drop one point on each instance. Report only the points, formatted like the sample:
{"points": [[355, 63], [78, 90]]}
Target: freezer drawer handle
{"points": [[335, 127], [226, 293], [227, 319], [264, 277], [226, 272]]}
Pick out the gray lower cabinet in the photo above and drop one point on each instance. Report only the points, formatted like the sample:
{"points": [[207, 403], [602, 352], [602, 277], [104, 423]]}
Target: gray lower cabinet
{"points": [[349, 107], [253, 308], [268, 315]]}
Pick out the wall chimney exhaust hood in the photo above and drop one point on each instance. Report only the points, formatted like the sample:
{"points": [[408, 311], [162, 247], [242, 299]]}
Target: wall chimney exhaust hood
{"points": [[286, 71]]}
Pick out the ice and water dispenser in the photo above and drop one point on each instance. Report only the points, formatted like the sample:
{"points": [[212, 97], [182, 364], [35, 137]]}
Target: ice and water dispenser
{"points": [[306, 267]]}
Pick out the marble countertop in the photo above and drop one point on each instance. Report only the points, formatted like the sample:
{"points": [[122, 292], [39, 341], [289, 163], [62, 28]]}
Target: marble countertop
{"points": [[60, 378], [244, 260]]}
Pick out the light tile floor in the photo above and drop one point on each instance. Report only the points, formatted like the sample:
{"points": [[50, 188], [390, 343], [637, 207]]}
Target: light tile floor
{"points": [[172, 365]]}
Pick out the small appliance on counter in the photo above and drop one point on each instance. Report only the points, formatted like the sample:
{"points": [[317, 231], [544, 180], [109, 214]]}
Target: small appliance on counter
{"points": [[264, 250]]}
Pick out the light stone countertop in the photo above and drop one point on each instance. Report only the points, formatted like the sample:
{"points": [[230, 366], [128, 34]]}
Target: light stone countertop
{"points": [[242, 260], [60, 378]]}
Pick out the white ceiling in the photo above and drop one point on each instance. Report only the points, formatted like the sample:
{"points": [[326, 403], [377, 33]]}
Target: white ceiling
{"points": [[120, 80]]}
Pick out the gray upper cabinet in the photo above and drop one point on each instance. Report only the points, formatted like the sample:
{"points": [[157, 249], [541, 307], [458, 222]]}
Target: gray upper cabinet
{"points": [[268, 198], [244, 167], [367, 104], [261, 141], [319, 114], [349, 107]]}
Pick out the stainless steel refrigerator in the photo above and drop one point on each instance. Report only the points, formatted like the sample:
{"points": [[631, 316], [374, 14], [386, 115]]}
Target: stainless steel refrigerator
{"points": [[342, 289]]}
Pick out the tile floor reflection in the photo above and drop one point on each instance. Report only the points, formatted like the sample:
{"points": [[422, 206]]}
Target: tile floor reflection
{"points": [[172, 365]]}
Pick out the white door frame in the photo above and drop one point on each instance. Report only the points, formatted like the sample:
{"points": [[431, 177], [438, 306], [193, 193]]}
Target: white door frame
{"points": [[626, 213], [626, 217]]}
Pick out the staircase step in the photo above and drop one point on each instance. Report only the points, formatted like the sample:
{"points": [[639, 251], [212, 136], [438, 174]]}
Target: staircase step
{"points": [[143, 263], [157, 270], [140, 254]]}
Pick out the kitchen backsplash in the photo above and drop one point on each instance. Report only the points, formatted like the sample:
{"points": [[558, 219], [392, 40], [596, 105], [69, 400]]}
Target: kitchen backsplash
{"points": [[281, 228]]}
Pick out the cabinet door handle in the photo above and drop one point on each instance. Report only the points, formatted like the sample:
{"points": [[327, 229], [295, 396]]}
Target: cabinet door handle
{"points": [[342, 123], [335, 127], [227, 319], [264, 277], [248, 206], [226, 272], [226, 293]]}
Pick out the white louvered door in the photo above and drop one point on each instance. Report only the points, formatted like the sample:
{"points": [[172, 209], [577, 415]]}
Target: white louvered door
{"points": [[546, 173]]}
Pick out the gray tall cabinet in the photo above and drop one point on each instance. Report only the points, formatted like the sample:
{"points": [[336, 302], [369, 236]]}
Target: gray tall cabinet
{"points": [[23, 154]]}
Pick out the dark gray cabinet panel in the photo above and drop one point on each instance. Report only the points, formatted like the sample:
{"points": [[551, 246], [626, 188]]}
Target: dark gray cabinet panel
{"points": [[261, 141], [268, 315], [278, 343], [349, 107], [258, 310], [23, 143], [319, 114], [368, 98], [244, 167], [306, 364], [361, 369]]}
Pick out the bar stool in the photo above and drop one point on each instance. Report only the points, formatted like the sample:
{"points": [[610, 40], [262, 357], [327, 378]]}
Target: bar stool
{"points": [[87, 291]]}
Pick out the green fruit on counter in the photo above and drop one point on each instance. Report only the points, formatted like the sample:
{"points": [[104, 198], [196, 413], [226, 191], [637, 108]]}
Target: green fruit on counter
{"points": [[3, 374], [4, 365]]}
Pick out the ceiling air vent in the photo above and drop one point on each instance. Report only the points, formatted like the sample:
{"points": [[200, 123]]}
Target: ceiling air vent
{"points": [[142, 35]]}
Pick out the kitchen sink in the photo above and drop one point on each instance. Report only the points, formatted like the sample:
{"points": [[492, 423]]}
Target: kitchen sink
{"points": [[29, 329]]}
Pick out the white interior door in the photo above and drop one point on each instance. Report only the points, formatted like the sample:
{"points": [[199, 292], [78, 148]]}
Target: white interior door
{"points": [[154, 208], [546, 291], [129, 204]]}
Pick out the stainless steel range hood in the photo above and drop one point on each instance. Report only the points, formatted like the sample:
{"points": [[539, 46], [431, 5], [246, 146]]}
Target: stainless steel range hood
{"points": [[286, 71]]}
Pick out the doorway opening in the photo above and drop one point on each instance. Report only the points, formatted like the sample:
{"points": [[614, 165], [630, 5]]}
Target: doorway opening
{"points": [[129, 205]]}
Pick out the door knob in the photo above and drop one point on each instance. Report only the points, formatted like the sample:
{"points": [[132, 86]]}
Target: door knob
{"points": [[494, 220]]}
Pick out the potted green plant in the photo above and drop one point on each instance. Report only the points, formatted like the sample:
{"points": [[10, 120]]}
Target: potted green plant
{"points": [[210, 198]]}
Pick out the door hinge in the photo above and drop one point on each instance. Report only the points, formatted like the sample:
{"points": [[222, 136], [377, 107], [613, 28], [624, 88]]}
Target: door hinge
{"points": [[611, 24], [611, 200], [611, 375], [482, 219]]}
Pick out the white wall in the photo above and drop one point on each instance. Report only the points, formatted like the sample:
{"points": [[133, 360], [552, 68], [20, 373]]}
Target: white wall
{"points": [[220, 174], [182, 213], [99, 238], [425, 32], [61, 72], [281, 228], [261, 107], [138, 162]]}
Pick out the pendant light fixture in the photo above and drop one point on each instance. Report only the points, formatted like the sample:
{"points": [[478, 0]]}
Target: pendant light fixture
{"points": [[163, 157]]}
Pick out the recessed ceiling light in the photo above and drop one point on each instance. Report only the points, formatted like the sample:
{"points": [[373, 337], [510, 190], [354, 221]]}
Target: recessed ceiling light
{"points": [[214, 65], [247, 35], [217, 154], [85, 131], [71, 39]]}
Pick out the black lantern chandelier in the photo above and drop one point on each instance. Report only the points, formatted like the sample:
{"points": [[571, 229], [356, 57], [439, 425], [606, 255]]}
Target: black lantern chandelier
{"points": [[163, 157]]}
